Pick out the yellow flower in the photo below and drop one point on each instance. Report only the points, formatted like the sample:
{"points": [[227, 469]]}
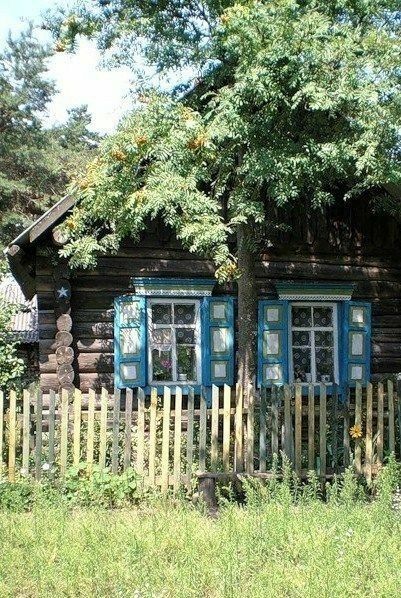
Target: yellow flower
{"points": [[197, 142], [141, 139], [355, 431], [118, 154]]}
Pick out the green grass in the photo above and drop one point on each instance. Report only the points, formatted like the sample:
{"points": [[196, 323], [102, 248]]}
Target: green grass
{"points": [[269, 548]]}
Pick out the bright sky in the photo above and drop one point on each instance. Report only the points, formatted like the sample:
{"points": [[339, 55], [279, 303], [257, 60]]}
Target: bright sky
{"points": [[78, 77]]}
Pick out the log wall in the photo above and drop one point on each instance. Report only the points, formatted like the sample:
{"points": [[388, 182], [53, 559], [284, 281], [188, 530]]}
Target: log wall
{"points": [[376, 272]]}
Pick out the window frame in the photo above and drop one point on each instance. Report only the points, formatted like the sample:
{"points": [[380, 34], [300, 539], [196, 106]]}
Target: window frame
{"points": [[198, 349], [335, 328]]}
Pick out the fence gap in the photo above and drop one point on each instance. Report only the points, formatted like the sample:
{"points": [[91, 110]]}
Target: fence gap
{"points": [[128, 429], [190, 436], [263, 432], [323, 431], [298, 429]]}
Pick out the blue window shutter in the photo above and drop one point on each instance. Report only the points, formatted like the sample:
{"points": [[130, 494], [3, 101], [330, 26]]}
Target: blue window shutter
{"points": [[356, 342], [217, 341], [130, 356], [272, 342]]}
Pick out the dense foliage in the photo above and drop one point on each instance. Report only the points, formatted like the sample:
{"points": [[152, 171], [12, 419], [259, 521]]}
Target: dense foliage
{"points": [[11, 366], [36, 163], [301, 100]]}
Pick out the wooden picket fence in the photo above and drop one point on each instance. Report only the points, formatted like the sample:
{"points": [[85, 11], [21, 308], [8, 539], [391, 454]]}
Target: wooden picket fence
{"points": [[170, 438]]}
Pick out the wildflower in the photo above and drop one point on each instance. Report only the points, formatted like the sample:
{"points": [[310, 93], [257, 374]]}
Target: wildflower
{"points": [[350, 532], [356, 431], [45, 466]]}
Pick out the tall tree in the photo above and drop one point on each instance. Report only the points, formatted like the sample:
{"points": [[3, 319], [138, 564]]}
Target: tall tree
{"points": [[298, 98], [36, 163]]}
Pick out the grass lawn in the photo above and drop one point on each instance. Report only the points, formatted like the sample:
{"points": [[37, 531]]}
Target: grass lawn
{"points": [[172, 549]]}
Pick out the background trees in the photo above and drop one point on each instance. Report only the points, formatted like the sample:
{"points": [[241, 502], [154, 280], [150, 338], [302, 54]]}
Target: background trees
{"points": [[297, 101], [36, 163]]}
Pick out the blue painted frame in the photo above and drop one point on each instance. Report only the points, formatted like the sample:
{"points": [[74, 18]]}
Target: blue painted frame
{"points": [[281, 326], [139, 359], [207, 325], [366, 329]]}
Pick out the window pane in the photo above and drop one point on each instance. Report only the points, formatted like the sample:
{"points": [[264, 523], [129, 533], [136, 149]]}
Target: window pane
{"points": [[323, 338], [130, 313], [301, 338], [218, 312], [186, 364], [271, 343], [185, 336], [129, 341], [162, 365], [161, 313], [302, 365], [219, 340], [184, 313], [323, 316], [301, 316], [161, 336], [129, 372], [324, 365]]}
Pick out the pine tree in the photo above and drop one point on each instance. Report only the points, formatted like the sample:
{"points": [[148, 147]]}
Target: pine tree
{"points": [[36, 163]]}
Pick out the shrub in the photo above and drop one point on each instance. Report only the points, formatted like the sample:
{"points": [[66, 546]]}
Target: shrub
{"points": [[11, 366]]}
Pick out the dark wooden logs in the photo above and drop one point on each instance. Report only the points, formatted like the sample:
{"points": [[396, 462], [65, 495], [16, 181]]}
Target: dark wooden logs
{"points": [[63, 339], [60, 236], [65, 374], [64, 323], [64, 355]]}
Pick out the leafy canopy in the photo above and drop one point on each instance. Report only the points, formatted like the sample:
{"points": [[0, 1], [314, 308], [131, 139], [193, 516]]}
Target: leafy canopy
{"points": [[298, 100]]}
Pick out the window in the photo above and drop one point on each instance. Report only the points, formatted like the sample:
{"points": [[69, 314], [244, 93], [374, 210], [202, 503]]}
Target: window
{"points": [[174, 341], [313, 342]]}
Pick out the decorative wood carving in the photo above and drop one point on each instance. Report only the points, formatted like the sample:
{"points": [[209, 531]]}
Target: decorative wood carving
{"points": [[62, 290]]}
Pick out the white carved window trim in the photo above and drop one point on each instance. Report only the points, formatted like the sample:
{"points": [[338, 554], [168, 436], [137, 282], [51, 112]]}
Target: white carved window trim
{"points": [[196, 326], [312, 329]]}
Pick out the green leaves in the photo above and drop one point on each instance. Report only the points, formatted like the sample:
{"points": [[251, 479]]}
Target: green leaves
{"points": [[11, 366], [299, 104]]}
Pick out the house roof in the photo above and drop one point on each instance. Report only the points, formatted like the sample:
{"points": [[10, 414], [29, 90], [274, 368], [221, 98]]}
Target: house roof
{"points": [[46, 221], [25, 321]]}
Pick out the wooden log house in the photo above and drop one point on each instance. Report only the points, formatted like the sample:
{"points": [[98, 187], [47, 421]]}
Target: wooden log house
{"points": [[153, 315]]}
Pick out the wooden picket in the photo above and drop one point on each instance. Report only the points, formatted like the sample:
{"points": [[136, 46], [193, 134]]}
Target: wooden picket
{"points": [[90, 430], [12, 422], [170, 436]]}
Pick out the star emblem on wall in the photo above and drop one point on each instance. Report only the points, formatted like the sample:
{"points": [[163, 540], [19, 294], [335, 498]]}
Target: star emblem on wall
{"points": [[62, 292]]}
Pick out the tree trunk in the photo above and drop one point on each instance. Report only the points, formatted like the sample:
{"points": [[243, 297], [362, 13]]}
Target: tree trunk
{"points": [[247, 309]]}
